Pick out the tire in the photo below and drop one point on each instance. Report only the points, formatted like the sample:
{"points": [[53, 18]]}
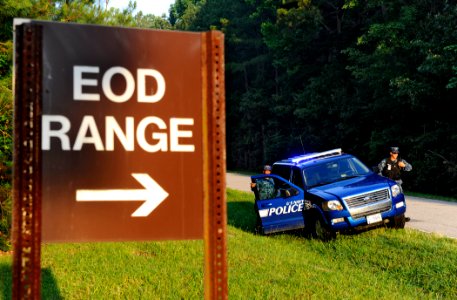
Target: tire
{"points": [[397, 222], [258, 226], [320, 230]]}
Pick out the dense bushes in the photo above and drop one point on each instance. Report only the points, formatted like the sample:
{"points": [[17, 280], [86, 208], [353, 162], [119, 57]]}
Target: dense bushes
{"points": [[6, 143]]}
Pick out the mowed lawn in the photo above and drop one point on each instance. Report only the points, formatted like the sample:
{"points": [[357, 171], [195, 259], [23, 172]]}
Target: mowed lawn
{"points": [[377, 264]]}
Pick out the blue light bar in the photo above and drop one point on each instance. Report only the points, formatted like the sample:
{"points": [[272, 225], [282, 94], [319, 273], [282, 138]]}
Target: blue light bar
{"points": [[317, 155]]}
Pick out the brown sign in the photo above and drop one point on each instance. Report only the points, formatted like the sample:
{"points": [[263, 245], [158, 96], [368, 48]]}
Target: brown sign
{"points": [[121, 134]]}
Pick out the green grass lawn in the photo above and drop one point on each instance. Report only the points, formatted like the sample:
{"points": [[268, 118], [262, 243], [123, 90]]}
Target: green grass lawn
{"points": [[431, 197], [377, 264]]}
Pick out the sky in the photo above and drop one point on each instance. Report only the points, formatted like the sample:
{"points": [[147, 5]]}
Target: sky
{"points": [[155, 7]]}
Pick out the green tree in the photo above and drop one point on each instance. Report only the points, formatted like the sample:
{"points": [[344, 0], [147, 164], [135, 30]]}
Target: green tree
{"points": [[403, 64], [314, 91], [249, 77], [151, 21], [182, 13]]}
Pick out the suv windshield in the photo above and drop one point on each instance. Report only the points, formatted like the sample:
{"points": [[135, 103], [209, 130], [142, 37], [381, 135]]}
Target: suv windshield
{"points": [[335, 170]]}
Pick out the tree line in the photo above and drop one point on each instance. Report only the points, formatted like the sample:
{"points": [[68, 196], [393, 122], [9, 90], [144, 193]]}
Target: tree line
{"points": [[304, 76], [301, 76]]}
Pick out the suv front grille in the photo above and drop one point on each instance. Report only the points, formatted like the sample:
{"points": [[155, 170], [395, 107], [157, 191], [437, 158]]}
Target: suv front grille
{"points": [[369, 203]]}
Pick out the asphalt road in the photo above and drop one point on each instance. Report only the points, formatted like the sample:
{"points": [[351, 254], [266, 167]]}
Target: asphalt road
{"points": [[428, 215]]}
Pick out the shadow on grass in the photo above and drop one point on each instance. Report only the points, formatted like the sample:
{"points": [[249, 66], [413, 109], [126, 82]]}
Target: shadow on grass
{"points": [[241, 215], [6, 279], [49, 289]]}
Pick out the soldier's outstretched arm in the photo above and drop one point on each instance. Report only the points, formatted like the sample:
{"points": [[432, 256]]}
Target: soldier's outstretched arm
{"points": [[408, 167]]}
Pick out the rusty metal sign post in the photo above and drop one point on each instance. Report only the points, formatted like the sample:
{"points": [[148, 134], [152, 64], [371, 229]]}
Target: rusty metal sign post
{"points": [[27, 168], [63, 79], [215, 203]]}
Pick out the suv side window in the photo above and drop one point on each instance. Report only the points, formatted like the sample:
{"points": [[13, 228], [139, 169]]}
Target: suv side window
{"points": [[297, 177], [282, 170]]}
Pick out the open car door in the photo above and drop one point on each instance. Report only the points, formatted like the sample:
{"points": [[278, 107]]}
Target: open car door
{"points": [[279, 204]]}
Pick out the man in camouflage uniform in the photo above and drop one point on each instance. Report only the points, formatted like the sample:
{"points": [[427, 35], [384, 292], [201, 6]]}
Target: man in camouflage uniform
{"points": [[392, 166], [265, 186]]}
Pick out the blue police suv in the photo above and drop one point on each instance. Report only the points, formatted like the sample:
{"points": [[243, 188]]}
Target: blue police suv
{"points": [[325, 193]]}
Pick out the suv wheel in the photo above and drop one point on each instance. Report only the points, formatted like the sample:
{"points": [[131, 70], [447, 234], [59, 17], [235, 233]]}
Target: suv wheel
{"points": [[320, 230], [397, 222], [258, 226]]}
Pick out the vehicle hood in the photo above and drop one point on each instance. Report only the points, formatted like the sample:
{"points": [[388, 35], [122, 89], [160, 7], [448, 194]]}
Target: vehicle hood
{"points": [[352, 186]]}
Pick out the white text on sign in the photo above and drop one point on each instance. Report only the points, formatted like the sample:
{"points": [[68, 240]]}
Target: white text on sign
{"points": [[165, 136]]}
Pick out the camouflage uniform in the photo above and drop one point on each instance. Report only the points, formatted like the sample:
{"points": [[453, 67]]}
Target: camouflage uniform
{"points": [[266, 188], [390, 168]]}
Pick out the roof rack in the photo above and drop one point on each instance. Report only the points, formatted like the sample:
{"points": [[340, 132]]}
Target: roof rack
{"points": [[302, 158]]}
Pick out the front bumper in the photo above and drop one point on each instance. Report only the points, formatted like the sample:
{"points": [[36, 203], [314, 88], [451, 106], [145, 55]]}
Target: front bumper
{"points": [[340, 221]]}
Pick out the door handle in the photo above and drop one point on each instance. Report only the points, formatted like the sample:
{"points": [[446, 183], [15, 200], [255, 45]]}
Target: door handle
{"points": [[267, 204]]}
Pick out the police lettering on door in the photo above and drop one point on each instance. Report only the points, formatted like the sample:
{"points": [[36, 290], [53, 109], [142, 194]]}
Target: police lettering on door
{"points": [[168, 135], [288, 208]]}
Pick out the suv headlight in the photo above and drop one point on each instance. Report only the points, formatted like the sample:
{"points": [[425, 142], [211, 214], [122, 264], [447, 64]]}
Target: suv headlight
{"points": [[332, 205], [395, 190]]}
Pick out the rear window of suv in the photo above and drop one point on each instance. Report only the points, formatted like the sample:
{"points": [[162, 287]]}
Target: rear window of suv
{"points": [[282, 170]]}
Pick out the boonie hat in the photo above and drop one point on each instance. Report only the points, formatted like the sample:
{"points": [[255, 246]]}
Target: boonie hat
{"points": [[394, 149], [267, 168]]}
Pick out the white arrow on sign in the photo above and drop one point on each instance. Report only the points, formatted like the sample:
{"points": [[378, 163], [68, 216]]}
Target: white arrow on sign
{"points": [[153, 194]]}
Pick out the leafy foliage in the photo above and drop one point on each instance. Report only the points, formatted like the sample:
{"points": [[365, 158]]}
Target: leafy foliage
{"points": [[362, 75], [6, 143]]}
